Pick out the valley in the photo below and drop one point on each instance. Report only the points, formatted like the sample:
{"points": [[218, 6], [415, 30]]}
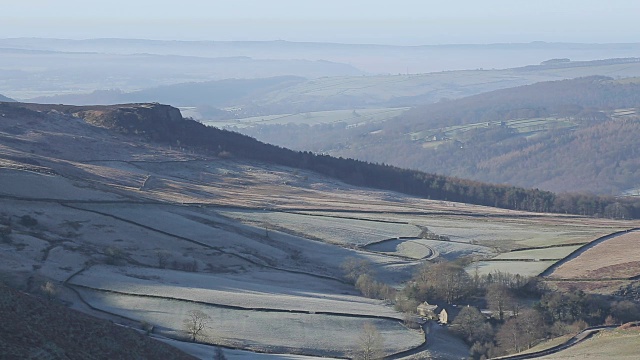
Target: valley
{"points": [[142, 233]]}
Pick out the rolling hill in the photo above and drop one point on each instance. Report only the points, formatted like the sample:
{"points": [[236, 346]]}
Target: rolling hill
{"points": [[5, 99], [137, 215], [570, 135], [162, 123]]}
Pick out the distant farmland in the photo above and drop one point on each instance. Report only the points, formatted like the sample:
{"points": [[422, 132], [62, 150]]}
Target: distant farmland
{"points": [[354, 117]]}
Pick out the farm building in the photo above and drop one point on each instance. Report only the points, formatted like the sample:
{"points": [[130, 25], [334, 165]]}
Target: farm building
{"points": [[427, 310], [443, 317]]}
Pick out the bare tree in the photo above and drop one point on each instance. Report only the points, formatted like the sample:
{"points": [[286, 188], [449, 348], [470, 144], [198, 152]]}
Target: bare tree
{"points": [[518, 334], [499, 299], [354, 268], [163, 258], [470, 324], [370, 343], [445, 280], [196, 323]]}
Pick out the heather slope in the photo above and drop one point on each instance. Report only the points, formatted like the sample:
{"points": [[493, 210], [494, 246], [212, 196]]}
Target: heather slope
{"points": [[33, 327]]}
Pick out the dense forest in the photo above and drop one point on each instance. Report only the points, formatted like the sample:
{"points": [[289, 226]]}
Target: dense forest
{"points": [[163, 124]]}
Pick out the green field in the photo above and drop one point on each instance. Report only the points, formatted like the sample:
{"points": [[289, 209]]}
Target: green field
{"points": [[521, 126], [614, 344], [350, 117]]}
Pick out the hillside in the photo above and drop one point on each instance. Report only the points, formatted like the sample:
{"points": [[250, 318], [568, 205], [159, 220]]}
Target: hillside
{"points": [[162, 123], [137, 215], [205, 95], [515, 136], [5, 99], [617, 344], [34, 327]]}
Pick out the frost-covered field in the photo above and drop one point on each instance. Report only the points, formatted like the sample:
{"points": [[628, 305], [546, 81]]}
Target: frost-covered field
{"points": [[502, 232], [554, 253], [284, 332], [333, 230], [422, 248], [411, 248], [205, 352], [525, 268], [35, 185], [277, 249], [257, 289]]}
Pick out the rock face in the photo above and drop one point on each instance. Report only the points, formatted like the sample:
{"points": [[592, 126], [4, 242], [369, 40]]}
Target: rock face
{"points": [[132, 117]]}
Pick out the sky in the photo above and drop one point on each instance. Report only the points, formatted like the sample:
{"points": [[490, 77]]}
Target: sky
{"points": [[397, 22]]}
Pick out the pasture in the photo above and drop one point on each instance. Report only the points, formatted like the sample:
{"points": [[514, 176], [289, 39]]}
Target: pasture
{"points": [[520, 126], [255, 289], [353, 117], [610, 344], [550, 253], [523, 268], [614, 258], [340, 231], [279, 332]]}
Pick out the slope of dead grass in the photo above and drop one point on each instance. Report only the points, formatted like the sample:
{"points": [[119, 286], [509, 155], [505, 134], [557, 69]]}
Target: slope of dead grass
{"points": [[618, 257]]}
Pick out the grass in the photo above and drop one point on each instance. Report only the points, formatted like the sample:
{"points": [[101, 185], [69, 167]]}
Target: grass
{"points": [[331, 230], [618, 257], [414, 249], [269, 289], [353, 117], [614, 344], [524, 268], [521, 127], [555, 253], [309, 333]]}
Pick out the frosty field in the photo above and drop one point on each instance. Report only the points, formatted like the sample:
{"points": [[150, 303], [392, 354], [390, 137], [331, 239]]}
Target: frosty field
{"points": [[524, 268], [553, 253], [257, 289], [333, 230], [307, 333]]}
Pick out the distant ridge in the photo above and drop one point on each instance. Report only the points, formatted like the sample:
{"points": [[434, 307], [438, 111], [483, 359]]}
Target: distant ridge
{"points": [[6, 99]]}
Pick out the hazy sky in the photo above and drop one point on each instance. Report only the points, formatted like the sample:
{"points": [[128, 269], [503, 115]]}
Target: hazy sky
{"points": [[347, 21]]}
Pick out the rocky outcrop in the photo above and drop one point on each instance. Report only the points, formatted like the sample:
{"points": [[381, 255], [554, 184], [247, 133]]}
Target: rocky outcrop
{"points": [[130, 118]]}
